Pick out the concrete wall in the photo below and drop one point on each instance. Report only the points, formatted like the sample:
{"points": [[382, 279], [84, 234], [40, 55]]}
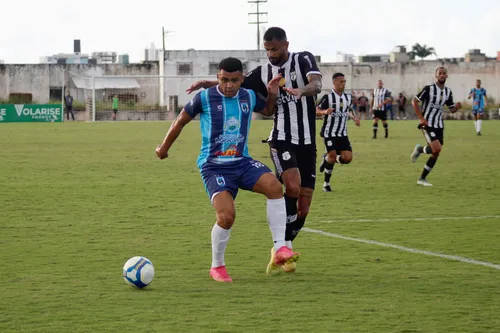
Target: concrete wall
{"points": [[409, 78]]}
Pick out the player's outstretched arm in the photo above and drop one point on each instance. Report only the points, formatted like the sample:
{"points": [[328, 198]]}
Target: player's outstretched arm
{"points": [[173, 133], [202, 84]]}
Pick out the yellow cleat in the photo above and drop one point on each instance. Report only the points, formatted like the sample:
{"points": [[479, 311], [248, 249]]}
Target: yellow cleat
{"points": [[272, 267], [289, 267]]}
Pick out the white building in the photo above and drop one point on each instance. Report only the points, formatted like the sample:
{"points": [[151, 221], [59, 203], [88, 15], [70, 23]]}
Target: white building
{"points": [[185, 67], [344, 57], [68, 58], [152, 53]]}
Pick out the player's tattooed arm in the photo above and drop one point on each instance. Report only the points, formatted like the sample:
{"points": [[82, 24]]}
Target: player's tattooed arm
{"points": [[311, 89], [314, 86]]}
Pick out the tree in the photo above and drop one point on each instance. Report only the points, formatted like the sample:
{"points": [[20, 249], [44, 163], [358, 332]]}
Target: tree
{"points": [[421, 51]]}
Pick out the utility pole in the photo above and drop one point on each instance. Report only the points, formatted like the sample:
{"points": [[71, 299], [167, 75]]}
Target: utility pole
{"points": [[258, 20], [164, 34]]}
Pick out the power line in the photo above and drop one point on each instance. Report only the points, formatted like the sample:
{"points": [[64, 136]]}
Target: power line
{"points": [[259, 20]]}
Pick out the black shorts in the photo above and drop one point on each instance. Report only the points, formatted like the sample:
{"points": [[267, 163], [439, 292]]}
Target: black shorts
{"points": [[288, 156], [433, 134], [362, 108], [402, 109], [338, 144], [115, 111], [382, 115]]}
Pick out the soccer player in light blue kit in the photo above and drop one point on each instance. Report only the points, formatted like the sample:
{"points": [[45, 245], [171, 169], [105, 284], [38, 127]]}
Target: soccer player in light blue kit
{"points": [[224, 162], [479, 101]]}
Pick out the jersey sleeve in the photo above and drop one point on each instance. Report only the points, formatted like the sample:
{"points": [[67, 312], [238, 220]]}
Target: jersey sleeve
{"points": [[194, 106], [387, 93], [308, 63], [253, 81], [449, 102], [423, 95], [260, 103], [323, 102], [484, 92]]}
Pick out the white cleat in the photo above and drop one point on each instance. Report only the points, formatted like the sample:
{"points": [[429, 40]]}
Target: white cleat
{"points": [[423, 182], [415, 154]]}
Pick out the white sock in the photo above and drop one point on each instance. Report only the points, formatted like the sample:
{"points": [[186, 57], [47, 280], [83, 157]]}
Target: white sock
{"points": [[475, 124], [276, 218], [479, 123], [326, 184], [288, 244], [220, 237]]}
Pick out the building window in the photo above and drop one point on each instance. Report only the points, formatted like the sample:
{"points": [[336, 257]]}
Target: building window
{"points": [[213, 68], [185, 68]]}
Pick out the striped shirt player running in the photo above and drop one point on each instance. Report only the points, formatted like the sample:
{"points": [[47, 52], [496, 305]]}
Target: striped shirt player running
{"points": [[292, 139], [479, 101], [224, 162], [380, 98], [433, 98], [336, 108]]}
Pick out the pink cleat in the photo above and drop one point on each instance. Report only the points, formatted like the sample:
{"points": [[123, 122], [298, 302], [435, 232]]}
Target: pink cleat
{"points": [[285, 255], [220, 274]]}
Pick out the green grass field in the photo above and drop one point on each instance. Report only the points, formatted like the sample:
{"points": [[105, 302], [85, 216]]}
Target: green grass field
{"points": [[79, 199]]}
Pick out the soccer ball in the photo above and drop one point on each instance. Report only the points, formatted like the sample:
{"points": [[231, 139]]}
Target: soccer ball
{"points": [[138, 272]]}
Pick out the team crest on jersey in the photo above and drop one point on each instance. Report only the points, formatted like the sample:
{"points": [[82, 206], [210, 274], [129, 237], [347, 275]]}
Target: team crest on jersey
{"points": [[220, 180], [232, 125], [244, 107], [293, 76]]}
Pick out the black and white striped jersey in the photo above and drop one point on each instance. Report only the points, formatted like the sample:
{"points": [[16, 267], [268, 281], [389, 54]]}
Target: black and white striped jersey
{"points": [[294, 119], [433, 100], [379, 96], [335, 124]]}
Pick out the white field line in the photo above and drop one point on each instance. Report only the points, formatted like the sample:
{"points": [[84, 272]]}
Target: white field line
{"points": [[413, 219], [406, 249]]}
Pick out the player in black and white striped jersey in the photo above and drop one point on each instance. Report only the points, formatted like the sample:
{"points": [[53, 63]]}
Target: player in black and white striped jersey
{"points": [[336, 107], [380, 98], [433, 98], [292, 140]]}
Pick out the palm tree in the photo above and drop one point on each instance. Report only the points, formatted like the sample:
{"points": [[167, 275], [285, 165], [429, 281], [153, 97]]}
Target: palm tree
{"points": [[421, 51]]}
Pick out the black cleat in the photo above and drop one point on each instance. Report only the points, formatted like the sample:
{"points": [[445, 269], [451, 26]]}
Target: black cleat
{"points": [[327, 188], [479, 134]]}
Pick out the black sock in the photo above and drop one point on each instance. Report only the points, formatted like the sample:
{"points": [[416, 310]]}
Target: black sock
{"points": [[428, 167], [328, 170], [293, 229], [375, 128], [386, 126], [291, 208]]}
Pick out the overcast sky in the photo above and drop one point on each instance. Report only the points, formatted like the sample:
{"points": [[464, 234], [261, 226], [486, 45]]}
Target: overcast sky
{"points": [[30, 29]]}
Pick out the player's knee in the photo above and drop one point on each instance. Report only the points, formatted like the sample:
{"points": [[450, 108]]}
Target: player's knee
{"points": [[347, 158], [225, 218], [291, 179], [274, 189], [332, 156]]}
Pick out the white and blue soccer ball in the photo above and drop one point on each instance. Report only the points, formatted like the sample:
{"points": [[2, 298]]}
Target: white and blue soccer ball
{"points": [[138, 272]]}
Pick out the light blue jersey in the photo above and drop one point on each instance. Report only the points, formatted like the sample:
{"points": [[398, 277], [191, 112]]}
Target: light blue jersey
{"points": [[225, 123], [478, 98]]}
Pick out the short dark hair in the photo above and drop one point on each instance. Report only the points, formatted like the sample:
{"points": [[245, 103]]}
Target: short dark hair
{"points": [[231, 65], [440, 67], [275, 33], [336, 75]]}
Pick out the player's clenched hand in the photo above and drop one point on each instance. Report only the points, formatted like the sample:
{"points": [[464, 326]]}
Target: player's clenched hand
{"points": [[357, 122], [273, 87], [161, 153], [328, 111], [294, 92]]}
